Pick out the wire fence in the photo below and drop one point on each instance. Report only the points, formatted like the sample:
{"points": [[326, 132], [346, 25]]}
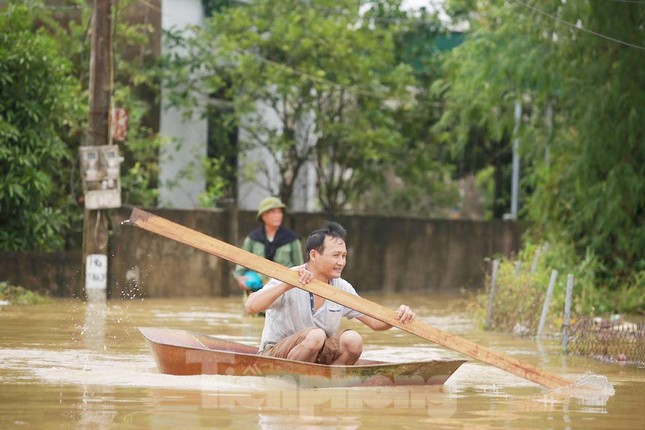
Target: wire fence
{"points": [[608, 340], [518, 301]]}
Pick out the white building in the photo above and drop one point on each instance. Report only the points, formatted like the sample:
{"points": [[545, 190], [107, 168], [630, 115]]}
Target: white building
{"points": [[180, 175], [181, 179]]}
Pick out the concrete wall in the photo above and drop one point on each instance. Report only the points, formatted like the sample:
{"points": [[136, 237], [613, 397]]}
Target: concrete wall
{"points": [[385, 255], [401, 254], [57, 274], [149, 265]]}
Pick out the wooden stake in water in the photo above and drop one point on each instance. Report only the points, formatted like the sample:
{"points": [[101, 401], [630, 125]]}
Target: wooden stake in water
{"points": [[547, 302], [567, 312], [491, 299]]}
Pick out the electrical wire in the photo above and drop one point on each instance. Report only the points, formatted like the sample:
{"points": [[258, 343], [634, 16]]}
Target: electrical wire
{"points": [[629, 1], [151, 5], [101, 244], [353, 89], [337, 85], [595, 33]]}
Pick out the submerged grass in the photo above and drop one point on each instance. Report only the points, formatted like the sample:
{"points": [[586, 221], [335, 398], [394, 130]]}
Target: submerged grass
{"points": [[522, 284], [19, 295]]}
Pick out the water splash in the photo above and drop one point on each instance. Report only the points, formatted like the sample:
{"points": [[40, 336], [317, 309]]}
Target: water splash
{"points": [[590, 390], [597, 382], [93, 331], [593, 390]]}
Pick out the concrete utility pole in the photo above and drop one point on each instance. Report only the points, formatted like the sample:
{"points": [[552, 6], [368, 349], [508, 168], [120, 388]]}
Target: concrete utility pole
{"points": [[515, 179], [95, 224]]}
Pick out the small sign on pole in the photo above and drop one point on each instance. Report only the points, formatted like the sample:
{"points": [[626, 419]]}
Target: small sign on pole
{"points": [[119, 124], [100, 168], [96, 272]]}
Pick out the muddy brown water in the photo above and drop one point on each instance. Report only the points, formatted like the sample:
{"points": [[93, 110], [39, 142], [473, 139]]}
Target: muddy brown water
{"points": [[73, 364]]}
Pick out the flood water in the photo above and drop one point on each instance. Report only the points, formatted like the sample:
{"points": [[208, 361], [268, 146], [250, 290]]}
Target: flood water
{"points": [[72, 364]]}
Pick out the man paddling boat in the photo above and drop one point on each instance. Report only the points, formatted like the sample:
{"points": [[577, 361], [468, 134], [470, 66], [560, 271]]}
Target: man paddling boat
{"points": [[183, 234], [302, 326]]}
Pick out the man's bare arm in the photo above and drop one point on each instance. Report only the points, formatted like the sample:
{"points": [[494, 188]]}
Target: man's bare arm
{"points": [[404, 314], [261, 300]]}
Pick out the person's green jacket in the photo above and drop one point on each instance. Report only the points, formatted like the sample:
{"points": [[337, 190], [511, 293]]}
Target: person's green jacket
{"points": [[285, 249]]}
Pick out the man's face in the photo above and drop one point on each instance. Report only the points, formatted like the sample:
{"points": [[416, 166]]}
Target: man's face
{"points": [[331, 262]]}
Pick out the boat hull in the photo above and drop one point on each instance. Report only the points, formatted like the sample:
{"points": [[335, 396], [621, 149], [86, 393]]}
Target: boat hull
{"points": [[180, 352]]}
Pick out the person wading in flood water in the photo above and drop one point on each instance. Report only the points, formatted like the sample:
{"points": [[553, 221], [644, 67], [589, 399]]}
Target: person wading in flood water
{"points": [[270, 240], [302, 326]]}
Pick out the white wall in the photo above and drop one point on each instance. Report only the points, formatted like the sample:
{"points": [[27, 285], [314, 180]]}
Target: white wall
{"points": [[257, 172], [186, 144], [258, 175], [180, 177]]}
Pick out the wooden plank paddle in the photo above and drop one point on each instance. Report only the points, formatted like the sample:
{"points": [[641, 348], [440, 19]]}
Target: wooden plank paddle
{"points": [[185, 235]]}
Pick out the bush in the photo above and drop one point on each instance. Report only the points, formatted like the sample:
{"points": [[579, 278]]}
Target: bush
{"points": [[39, 99], [520, 292], [20, 296]]}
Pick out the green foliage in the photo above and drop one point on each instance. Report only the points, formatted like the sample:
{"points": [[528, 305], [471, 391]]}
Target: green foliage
{"points": [[592, 193], [582, 178], [215, 6], [520, 294], [134, 90], [484, 181], [140, 169], [216, 186], [412, 179], [43, 109], [39, 104], [520, 290], [320, 73], [20, 296]]}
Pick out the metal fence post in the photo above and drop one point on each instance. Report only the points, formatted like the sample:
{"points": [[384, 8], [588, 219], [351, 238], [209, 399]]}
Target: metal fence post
{"points": [[567, 313], [547, 302], [491, 299]]}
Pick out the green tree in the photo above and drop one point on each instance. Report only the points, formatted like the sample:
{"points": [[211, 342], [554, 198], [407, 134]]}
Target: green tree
{"points": [[44, 65], [585, 60], [39, 102], [134, 88], [418, 179], [319, 73]]}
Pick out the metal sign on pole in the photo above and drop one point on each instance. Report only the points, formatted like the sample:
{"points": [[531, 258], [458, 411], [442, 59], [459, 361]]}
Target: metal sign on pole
{"points": [[96, 272], [100, 168]]}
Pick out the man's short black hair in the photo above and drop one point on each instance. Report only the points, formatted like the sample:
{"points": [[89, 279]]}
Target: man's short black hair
{"points": [[316, 240]]}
